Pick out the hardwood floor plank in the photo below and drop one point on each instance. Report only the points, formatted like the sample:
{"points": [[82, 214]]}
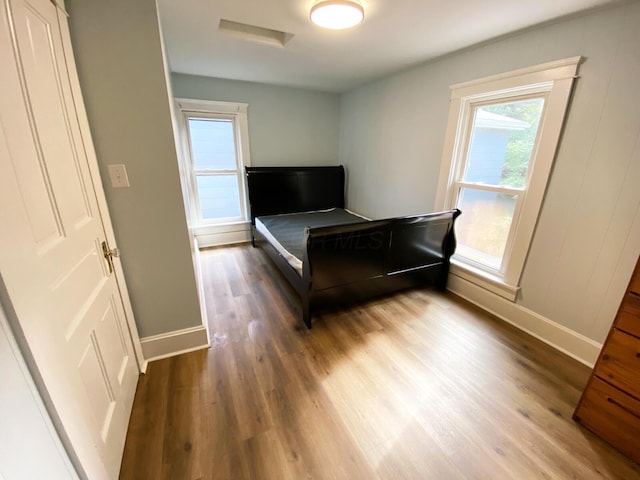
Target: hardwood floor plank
{"points": [[420, 385], [148, 424]]}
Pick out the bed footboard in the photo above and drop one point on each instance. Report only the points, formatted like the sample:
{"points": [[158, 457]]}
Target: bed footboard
{"points": [[358, 261]]}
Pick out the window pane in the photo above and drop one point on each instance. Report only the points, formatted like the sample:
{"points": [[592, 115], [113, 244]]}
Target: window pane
{"points": [[502, 140], [483, 228], [219, 196], [212, 144]]}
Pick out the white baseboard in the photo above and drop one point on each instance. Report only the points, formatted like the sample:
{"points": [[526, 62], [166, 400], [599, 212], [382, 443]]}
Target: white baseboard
{"points": [[577, 346], [217, 235], [226, 238], [174, 343]]}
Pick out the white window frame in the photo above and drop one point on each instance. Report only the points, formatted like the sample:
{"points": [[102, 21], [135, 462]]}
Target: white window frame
{"points": [[554, 82], [237, 113]]}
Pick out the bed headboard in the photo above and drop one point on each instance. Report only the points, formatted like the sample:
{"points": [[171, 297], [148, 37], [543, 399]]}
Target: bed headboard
{"points": [[274, 190]]}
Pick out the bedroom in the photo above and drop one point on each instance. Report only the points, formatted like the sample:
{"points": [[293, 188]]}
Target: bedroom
{"points": [[587, 238]]}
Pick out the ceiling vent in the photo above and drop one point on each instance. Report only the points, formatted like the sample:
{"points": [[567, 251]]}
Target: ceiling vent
{"points": [[252, 33]]}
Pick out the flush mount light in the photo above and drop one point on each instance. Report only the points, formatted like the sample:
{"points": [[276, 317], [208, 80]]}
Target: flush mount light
{"points": [[337, 14]]}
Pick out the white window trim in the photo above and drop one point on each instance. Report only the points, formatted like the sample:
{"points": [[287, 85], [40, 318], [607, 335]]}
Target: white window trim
{"points": [[237, 111], [554, 78]]}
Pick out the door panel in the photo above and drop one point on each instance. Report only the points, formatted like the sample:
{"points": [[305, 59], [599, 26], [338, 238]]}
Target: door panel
{"points": [[40, 49], [35, 196], [95, 385], [113, 346], [51, 260]]}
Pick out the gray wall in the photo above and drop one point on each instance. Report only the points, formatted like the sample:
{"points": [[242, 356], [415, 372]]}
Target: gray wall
{"points": [[118, 53], [588, 236], [287, 126]]}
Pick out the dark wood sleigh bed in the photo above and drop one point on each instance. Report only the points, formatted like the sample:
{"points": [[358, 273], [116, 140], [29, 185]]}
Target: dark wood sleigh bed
{"points": [[352, 261]]}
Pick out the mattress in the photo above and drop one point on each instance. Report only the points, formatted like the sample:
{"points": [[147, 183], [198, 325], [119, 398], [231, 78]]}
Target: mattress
{"points": [[286, 232]]}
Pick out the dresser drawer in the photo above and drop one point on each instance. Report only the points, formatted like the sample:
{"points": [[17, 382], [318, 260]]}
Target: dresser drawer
{"points": [[620, 362], [612, 415], [629, 315]]}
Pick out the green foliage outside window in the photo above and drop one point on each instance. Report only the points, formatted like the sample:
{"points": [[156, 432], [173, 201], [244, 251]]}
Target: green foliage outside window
{"points": [[521, 142]]}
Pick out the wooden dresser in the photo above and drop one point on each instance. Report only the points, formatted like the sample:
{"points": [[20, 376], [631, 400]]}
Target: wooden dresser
{"points": [[610, 404]]}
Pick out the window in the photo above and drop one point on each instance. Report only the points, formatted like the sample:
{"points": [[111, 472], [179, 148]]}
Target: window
{"points": [[490, 185], [215, 150], [215, 168], [501, 140]]}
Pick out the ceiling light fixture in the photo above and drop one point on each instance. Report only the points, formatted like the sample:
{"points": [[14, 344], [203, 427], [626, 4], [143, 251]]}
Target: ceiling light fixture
{"points": [[337, 14]]}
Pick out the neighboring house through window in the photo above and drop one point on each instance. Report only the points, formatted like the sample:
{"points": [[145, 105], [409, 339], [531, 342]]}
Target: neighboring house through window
{"points": [[501, 140], [215, 145]]}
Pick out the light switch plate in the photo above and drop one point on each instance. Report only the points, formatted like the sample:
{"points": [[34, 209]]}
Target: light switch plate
{"points": [[118, 176]]}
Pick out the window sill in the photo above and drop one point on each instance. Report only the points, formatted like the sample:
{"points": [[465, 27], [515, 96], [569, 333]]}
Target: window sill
{"points": [[484, 280]]}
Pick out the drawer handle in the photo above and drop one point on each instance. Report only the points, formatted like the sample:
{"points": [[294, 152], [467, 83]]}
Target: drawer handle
{"points": [[619, 405]]}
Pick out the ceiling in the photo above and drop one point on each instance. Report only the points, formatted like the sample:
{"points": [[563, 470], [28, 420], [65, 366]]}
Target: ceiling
{"points": [[394, 35]]}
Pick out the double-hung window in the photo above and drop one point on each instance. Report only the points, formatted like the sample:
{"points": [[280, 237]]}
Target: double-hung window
{"points": [[216, 170], [501, 141], [215, 151]]}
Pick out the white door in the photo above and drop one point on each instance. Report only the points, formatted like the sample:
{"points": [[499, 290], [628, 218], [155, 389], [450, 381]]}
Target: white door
{"points": [[51, 261]]}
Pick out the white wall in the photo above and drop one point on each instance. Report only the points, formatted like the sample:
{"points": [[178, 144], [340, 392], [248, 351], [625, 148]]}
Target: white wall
{"points": [[29, 445], [588, 236], [287, 126]]}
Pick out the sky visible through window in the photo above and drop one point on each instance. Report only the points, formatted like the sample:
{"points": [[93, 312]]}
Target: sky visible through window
{"points": [[215, 167]]}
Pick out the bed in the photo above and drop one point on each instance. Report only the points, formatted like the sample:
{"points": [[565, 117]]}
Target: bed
{"points": [[331, 255]]}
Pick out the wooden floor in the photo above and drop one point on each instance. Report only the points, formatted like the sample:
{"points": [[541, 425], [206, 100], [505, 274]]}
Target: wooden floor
{"points": [[416, 386]]}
